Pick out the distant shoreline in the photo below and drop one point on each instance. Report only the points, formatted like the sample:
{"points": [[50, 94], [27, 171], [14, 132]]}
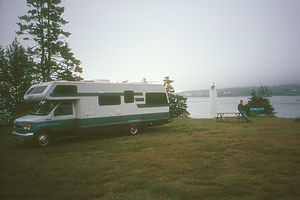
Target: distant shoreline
{"points": [[280, 90], [244, 95]]}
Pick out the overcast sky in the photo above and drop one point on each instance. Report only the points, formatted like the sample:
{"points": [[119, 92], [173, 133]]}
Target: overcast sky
{"points": [[232, 42]]}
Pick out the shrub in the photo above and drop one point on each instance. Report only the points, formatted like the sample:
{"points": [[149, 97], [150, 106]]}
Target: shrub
{"points": [[260, 98]]}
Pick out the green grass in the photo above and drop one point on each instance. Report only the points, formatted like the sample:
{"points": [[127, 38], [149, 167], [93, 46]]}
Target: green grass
{"points": [[186, 159]]}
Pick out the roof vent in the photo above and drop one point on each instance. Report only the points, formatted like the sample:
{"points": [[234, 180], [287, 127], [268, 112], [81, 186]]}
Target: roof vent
{"points": [[102, 81]]}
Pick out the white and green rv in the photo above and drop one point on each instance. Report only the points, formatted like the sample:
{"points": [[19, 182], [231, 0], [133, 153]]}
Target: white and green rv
{"points": [[72, 106]]}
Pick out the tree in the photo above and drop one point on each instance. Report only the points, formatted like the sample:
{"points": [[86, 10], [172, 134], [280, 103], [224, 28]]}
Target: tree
{"points": [[42, 25], [167, 84], [15, 79], [260, 98], [178, 106]]}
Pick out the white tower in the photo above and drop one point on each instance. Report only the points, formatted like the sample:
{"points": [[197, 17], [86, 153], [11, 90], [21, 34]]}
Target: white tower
{"points": [[212, 101]]}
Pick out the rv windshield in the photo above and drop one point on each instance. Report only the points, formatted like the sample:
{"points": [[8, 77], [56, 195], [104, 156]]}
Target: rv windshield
{"points": [[44, 107]]}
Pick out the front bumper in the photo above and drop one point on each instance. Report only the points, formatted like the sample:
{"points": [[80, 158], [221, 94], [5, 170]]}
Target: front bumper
{"points": [[22, 136], [15, 133]]}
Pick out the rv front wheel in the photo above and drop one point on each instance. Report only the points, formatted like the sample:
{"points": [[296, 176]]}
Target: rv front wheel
{"points": [[43, 139], [133, 130]]}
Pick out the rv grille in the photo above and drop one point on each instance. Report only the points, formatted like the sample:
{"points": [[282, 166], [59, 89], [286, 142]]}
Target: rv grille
{"points": [[18, 126]]}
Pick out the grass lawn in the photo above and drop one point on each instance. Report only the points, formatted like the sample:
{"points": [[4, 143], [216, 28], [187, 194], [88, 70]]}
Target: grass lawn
{"points": [[186, 159]]}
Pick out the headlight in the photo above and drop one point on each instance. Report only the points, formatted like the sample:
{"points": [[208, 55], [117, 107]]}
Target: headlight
{"points": [[28, 127]]}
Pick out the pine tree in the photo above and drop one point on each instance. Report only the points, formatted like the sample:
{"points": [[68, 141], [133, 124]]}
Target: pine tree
{"points": [[178, 106], [43, 25], [260, 98], [15, 79], [167, 84]]}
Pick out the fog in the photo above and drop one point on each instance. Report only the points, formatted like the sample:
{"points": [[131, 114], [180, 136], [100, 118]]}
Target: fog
{"points": [[233, 43]]}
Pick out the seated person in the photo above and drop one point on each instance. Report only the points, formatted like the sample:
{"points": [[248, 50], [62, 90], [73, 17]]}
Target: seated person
{"points": [[241, 109]]}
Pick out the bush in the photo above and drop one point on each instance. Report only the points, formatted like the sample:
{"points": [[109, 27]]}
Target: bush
{"points": [[260, 98], [178, 106]]}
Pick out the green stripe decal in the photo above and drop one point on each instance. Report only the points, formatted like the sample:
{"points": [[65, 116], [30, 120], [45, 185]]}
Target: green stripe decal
{"points": [[52, 124], [151, 105], [75, 95], [138, 94], [122, 119], [91, 94], [93, 122], [139, 99], [111, 94]]}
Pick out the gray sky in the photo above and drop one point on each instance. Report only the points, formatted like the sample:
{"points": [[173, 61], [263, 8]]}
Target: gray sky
{"points": [[232, 42]]}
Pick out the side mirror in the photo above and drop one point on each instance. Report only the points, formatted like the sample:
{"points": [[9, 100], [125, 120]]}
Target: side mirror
{"points": [[58, 111], [49, 117]]}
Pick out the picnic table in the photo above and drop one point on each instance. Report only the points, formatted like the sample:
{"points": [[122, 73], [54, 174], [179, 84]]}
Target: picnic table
{"points": [[221, 115]]}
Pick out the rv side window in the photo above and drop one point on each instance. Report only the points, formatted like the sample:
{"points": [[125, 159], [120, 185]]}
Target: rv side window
{"points": [[64, 109], [38, 90], [156, 98], [30, 90], [129, 96], [65, 89], [109, 99]]}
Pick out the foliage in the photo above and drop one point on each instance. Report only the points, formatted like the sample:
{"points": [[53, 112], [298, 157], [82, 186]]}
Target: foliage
{"points": [[167, 84], [16, 69], [260, 98], [178, 105], [42, 25]]}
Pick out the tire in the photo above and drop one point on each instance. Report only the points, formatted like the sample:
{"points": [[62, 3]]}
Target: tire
{"points": [[133, 130], [43, 139]]}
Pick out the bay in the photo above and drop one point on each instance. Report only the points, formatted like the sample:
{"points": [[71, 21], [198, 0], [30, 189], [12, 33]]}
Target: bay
{"points": [[285, 106]]}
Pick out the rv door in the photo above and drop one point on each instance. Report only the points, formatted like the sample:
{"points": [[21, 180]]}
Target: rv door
{"points": [[64, 118]]}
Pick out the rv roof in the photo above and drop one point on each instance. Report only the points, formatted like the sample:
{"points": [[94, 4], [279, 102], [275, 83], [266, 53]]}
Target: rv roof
{"points": [[90, 81], [101, 81]]}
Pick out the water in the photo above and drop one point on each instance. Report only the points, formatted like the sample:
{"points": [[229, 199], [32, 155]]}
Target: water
{"points": [[285, 106]]}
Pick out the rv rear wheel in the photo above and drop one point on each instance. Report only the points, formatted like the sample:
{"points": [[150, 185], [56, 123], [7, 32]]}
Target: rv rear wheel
{"points": [[43, 139], [133, 130]]}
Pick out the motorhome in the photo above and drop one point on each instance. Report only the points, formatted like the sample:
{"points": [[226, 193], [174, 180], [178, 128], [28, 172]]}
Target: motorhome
{"points": [[74, 106]]}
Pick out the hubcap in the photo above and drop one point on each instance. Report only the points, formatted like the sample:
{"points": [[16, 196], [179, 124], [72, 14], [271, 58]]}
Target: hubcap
{"points": [[43, 139], [133, 130]]}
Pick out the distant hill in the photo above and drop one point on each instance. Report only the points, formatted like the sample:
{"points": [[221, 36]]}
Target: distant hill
{"points": [[279, 90]]}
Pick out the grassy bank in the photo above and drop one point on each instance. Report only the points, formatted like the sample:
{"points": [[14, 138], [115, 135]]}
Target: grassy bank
{"points": [[186, 159]]}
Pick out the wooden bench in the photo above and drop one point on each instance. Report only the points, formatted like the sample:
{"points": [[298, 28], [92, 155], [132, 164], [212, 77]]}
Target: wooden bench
{"points": [[221, 115]]}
